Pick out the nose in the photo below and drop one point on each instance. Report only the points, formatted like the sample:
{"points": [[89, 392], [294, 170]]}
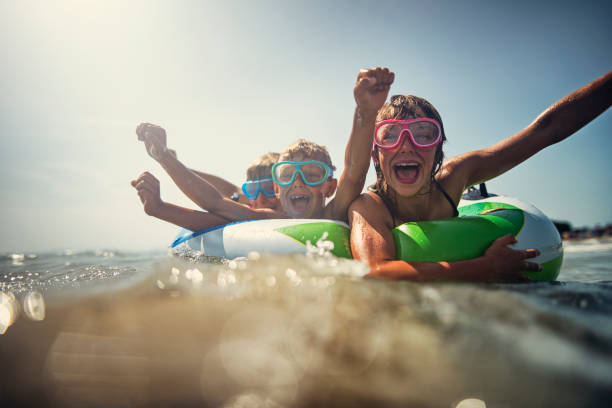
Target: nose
{"points": [[406, 143], [299, 178]]}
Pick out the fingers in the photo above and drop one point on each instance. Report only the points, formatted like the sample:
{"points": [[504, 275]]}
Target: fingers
{"points": [[378, 78], [532, 266], [146, 181], [140, 130], [507, 239], [144, 196], [531, 253], [365, 75], [148, 130]]}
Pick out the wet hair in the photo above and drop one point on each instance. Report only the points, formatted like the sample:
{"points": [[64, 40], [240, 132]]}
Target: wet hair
{"points": [[406, 107], [261, 168], [303, 147]]}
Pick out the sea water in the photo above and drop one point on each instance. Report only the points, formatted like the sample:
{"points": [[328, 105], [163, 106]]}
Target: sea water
{"points": [[113, 328]]}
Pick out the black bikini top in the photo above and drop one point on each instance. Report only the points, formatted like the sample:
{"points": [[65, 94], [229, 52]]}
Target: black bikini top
{"points": [[450, 200], [388, 205]]}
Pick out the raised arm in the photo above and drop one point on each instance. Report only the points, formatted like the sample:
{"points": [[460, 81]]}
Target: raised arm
{"points": [[148, 191], [226, 188], [560, 120], [200, 191], [370, 93], [372, 243]]}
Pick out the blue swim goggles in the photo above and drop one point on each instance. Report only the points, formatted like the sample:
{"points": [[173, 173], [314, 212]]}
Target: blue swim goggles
{"points": [[313, 172], [252, 188]]}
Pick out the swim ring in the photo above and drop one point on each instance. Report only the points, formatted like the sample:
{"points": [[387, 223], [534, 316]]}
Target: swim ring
{"points": [[480, 222]]}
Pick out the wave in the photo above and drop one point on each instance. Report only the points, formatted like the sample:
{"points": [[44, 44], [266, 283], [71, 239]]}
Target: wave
{"points": [[588, 245]]}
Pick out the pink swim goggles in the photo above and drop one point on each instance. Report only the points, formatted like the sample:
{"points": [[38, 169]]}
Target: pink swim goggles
{"points": [[423, 133]]}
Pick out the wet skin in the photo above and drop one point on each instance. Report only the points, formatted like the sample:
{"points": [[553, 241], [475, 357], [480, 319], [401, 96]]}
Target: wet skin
{"points": [[407, 168], [300, 200], [263, 201]]}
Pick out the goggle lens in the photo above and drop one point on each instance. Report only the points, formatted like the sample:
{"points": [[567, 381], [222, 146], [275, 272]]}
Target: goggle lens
{"points": [[267, 187], [423, 132], [251, 189], [313, 172]]}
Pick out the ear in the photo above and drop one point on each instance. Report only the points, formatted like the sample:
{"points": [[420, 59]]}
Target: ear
{"points": [[330, 187]]}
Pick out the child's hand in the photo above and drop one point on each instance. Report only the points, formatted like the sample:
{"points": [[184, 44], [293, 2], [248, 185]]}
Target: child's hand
{"points": [[148, 191], [372, 88], [154, 138], [507, 264]]}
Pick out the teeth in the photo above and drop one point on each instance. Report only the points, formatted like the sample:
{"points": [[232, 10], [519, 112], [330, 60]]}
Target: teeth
{"points": [[407, 165]]}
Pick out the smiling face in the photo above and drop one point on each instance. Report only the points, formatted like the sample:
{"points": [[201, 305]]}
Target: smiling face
{"points": [[407, 169], [258, 170], [300, 200]]}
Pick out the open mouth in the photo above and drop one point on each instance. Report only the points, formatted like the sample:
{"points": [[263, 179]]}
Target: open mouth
{"points": [[407, 172], [299, 202]]}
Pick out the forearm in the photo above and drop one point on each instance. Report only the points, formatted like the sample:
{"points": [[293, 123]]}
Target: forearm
{"points": [[556, 123], [223, 186], [356, 164], [574, 111], [200, 191], [472, 270], [359, 146], [187, 218]]}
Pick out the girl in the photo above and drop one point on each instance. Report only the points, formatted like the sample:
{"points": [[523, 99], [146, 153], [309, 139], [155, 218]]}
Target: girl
{"points": [[414, 185]]}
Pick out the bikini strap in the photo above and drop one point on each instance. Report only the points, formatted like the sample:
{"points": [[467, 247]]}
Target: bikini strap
{"points": [[385, 201], [455, 212]]}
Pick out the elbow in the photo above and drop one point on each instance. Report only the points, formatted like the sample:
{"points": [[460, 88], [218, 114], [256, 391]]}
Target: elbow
{"points": [[354, 175], [394, 270], [213, 205]]}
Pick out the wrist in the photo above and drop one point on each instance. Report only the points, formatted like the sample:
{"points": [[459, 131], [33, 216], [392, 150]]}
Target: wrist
{"points": [[155, 209], [165, 157], [366, 113]]}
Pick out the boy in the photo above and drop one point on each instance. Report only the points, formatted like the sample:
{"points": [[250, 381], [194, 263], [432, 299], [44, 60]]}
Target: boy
{"points": [[304, 175]]}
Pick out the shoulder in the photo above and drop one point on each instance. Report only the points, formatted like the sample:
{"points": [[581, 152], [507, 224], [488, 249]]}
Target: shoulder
{"points": [[367, 200], [456, 172], [371, 208]]}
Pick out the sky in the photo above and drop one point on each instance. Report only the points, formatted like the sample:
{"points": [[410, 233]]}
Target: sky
{"points": [[231, 80]]}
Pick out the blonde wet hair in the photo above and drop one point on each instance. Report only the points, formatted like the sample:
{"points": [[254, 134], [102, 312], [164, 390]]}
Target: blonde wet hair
{"points": [[261, 167], [306, 148]]}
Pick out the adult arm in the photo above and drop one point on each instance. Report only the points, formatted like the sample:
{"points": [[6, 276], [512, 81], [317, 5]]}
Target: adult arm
{"points": [[372, 243], [557, 122], [370, 93], [148, 191]]}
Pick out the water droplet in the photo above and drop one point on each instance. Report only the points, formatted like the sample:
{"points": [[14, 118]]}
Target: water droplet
{"points": [[197, 276], [254, 256], [34, 306], [270, 281], [471, 403]]}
